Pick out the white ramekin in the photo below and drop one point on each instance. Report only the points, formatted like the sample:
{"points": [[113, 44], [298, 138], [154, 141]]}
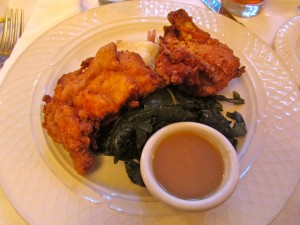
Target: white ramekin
{"points": [[229, 155]]}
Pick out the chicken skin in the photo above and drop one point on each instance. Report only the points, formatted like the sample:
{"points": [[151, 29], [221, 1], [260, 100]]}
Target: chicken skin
{"points": [[192, 59], [96, 91]]}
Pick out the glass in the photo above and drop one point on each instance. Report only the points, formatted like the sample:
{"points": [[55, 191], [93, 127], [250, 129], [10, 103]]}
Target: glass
{"points": [[244, 8]]}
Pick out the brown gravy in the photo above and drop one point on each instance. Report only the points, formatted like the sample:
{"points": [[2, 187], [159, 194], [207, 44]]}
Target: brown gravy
{"points": [[188, 166]]}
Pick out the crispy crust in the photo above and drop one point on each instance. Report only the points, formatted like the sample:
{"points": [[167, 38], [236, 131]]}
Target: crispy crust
{"points": [[192, 59], [96, 91]]}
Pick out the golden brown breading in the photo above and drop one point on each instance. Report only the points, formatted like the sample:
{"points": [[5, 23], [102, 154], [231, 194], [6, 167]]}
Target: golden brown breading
{"points": [[96, 91], [87, 98], [191, 58]]}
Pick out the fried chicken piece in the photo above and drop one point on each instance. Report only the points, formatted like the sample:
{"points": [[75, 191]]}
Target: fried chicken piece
{"points": [[192, 59], [96, 91]]}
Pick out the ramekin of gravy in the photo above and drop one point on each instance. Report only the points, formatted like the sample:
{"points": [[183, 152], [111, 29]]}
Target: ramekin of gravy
{"points": [[190, 166]]}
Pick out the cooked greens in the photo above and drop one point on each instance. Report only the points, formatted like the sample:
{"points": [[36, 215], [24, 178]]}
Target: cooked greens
{"points": [[125, 138], [236, 98]]}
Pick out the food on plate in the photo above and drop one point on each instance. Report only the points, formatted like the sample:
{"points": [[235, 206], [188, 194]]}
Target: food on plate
{"points": [[192, 59], [96, 91], [148, 50], [112, 88], [125, 138]]}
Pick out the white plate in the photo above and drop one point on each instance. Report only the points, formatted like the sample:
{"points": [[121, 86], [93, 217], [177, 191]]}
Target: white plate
{"points": [[287, 45], [40, 181]]}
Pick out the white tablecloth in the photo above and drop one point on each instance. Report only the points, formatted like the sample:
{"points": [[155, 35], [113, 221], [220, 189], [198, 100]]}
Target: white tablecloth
{"points": [[40, 15]]}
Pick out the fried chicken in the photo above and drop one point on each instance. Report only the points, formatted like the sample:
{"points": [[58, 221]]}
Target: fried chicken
{"points": [[86, 99], [96, 91], [192, 59]]}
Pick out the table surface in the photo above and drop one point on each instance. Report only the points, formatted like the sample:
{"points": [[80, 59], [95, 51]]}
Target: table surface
{"points": [[42, 14]]}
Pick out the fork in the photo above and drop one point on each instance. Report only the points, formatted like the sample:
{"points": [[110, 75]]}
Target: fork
{"points": [[12, 30]]}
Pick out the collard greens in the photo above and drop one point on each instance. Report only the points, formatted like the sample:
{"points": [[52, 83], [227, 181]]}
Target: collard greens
{"points": [[124, 138]]}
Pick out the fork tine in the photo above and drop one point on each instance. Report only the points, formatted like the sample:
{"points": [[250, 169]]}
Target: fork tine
{"points": [[2, 44], [14, 36], [21, 23], [12, 30], [18, 26]]}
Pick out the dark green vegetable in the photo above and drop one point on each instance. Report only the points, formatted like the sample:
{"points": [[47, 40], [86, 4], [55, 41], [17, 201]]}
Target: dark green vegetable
{"points": [[134, 173], [235, 100], [129, 135], [125, 138], [239, 127]]}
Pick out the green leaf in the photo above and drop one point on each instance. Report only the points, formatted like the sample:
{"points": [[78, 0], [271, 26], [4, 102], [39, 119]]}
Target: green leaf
{"points": [[235, 100]]}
